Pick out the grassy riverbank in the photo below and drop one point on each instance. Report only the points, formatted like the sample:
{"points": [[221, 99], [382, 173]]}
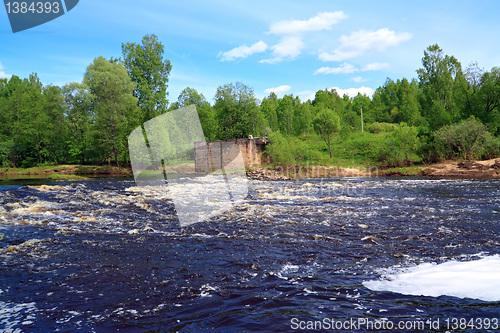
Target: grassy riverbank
{"points": [[66, 172]]}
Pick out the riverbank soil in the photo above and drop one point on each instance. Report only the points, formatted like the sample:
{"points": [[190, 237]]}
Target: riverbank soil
{"points": [[448, 169], [465, 169]]}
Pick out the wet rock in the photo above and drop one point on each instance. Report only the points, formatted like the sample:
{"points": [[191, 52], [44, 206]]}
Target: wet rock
{"points": [[259, 173]]}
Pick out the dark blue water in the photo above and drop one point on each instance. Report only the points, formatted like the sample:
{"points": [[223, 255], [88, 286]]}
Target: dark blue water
{"points": [[103, 256]]}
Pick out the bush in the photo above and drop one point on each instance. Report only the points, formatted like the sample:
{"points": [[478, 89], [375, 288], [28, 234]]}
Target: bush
{"points": [[468, 139], [402, 147], [285, 150], [381, 127]]}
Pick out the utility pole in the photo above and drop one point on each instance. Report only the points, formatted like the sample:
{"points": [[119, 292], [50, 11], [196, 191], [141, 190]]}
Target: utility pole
{"points": [[362, 118]]}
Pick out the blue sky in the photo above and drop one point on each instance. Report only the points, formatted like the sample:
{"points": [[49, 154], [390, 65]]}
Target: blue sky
{"points": [[292, 47]]}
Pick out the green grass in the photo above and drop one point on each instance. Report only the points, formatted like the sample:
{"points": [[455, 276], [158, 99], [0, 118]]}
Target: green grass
{"points": [[354, 151], [358, 149], [38, 170], [405, 171], [58, 176]]}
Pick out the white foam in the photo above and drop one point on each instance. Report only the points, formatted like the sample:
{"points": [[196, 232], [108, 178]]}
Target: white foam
{"points": [[478, 279]]}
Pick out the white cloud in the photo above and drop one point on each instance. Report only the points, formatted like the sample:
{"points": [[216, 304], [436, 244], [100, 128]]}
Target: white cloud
{"points": [[363, 41], [322, 21], [347, 68], [278, 90], [4, 75], [288, 48], [353, 92], [243, 51], [359, 79], [291, 44], [376, 66]]}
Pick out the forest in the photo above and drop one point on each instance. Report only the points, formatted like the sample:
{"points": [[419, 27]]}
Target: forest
{"points": [[446, 112]]}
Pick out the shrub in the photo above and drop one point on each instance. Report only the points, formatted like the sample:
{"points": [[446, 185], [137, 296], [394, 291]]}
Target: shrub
{"points": [[468, 139], [402, 147], [285, 150], [381, 127]]}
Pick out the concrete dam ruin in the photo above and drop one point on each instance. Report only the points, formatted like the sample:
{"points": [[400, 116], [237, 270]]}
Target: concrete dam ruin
{"points": [[214, 155]]}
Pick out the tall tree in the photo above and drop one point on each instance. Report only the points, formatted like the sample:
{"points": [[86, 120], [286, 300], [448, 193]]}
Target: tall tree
{"points": [[437, 80], [115, 107], [148, 69]]}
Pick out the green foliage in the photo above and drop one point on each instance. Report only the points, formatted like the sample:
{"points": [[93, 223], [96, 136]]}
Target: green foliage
{"points": [[289, 150], [115, 108], [237, 112], [401, 148], [381, 127], [440, 79], [326, 123], [206, 113], [468, 139], [6, 152], [148, 69], [268, 110], [79, 118], [405, 120]]}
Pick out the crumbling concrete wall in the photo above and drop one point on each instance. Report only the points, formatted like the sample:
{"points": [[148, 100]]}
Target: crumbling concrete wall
{"points": [[213, 155]]}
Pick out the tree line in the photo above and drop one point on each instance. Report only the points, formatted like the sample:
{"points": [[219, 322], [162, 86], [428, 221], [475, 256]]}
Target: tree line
{"points": [[447, 111]]}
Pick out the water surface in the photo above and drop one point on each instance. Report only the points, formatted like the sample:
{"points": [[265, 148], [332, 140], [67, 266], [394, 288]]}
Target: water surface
{"points": [[103, 255]]}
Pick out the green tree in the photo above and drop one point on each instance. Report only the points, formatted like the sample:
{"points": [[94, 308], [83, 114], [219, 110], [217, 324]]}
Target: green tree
{"points": [[53, 127], [206, 113], [80, 118], [268, 108], [237, 112], [115, 108], [362, 101], [303, 119], [489, 95], [328, 99], [285, 112], [378, 111], [326, 123], [407, 140], [408, 106], [437, 80], [148, 69]]}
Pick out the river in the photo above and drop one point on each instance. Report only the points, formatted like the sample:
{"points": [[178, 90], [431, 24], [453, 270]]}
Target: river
{"points": [[104, 255]]}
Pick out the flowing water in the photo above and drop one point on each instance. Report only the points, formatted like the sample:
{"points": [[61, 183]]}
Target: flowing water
{"points": [[104, 256]]}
